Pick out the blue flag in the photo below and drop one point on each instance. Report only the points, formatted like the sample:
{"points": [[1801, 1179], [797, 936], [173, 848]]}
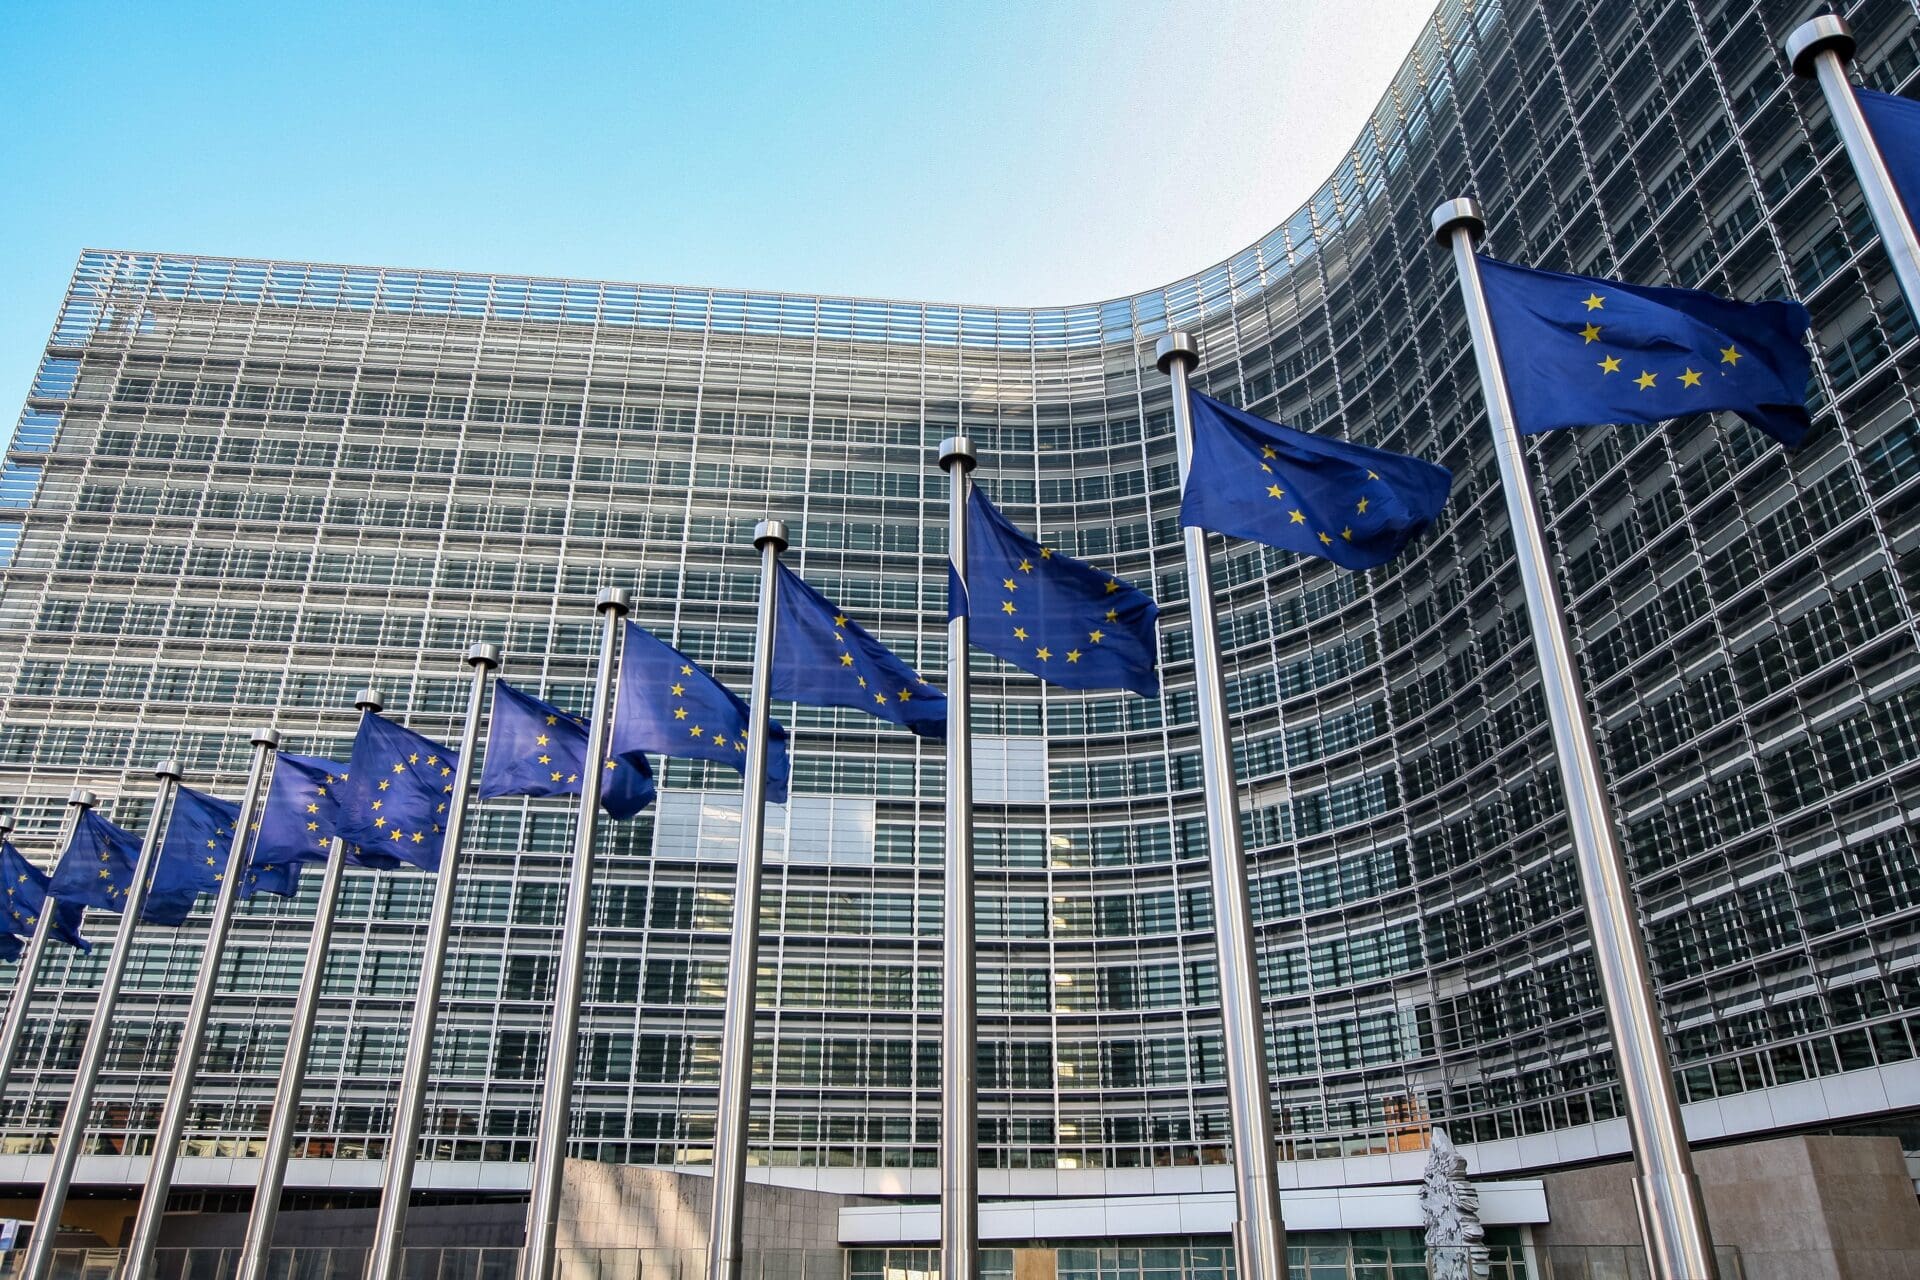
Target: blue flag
{"points": [[302, 809], [395, 795], [667, 704], [26, 897], [96, 869], [193, 856], [1895, 123], [1354, 505], [536, 749], [282, 879], [1059, 618], [825, 659], [1579, 351]]}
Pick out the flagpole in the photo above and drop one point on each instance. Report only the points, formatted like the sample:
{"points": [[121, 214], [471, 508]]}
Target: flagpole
{"points": [[1673, 1219], [73, 1125], [1259, 1234], [27, 972], [563, 1049], [959, 1034], [1819, 50], [743, 964], [388, 1255], [193, 1035], [257, 1247]]}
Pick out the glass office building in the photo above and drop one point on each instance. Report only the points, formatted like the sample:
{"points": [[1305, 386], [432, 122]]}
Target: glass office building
{"points": [[242, 490]]}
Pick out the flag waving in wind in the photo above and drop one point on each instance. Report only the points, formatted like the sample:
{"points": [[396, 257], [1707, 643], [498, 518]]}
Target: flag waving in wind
{"points": [[193, 855], [536, 749], [1056, 617], [395, 797], [24, 898], [825, 659], [1895, 123], [96, 868], [303, 805], [1579, 351], [667, 704], [1354, 505]]}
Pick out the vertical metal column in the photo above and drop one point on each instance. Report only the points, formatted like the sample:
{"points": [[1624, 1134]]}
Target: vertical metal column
{"points": [[27, 974], [563, 1049], [73, 1126], [257, 1248], [959, 1015], [388, 1255], [1259, 1234], [743, 964], [193, 1035], [1671, 1213], [1819, 50]]}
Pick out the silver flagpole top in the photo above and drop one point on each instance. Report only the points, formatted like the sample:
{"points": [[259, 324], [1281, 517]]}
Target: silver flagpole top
{"points": [[82, 798], [168, 769], [774, 531], [369, 700], [6, 824], [1178, 345], [957, 451], [1464, 212], [1816, 36], [266, 736], [484, 655], [615, 600]]}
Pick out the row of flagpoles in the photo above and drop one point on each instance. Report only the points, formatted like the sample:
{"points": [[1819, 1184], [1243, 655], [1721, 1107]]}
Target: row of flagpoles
{"points": [[402, 799]]}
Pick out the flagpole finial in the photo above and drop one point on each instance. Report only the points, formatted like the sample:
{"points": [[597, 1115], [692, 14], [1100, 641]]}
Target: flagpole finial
{"points": [[6, 825], [82, 798], [615, 600], [484, 655], [770, 531], [369, 700], [1464, 212], [168, 769], [1816, 36], [957, 451], [1178, 345], [266, 736]]}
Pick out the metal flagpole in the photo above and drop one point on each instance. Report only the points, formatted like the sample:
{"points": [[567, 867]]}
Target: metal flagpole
{"points": [[1672, 1217], [959, 1098], [193, 1035], [73, 1126], [743, 964], [27, 974], [1819, 50], [396, 1183], [563, 1049], [256, 1249], [1259, 1235]]}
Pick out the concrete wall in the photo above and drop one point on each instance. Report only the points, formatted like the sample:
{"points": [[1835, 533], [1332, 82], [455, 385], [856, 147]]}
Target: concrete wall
{"points": [[1808, 1208]]}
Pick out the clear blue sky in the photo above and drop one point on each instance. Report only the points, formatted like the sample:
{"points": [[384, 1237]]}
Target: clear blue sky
{"points": [[1006, 152]]}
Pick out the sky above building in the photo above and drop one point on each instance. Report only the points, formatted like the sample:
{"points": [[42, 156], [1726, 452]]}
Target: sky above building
{"points": [[1004, 153]]}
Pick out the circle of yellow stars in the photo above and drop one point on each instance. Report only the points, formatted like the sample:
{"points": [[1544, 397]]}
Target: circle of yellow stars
{"points": [[396, 833], [1730, 355], [1045, 652], [712, 737]]}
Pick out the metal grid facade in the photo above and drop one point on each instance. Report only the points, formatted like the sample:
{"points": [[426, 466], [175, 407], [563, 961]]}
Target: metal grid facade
{"points": [[241, 490]]}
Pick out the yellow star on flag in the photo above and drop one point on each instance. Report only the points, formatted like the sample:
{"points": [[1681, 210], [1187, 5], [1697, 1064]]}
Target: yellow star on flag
{"points": [[1691, 378]]}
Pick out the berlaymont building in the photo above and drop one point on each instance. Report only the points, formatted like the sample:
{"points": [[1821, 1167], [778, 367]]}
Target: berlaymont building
{"points": [[242, 490]]}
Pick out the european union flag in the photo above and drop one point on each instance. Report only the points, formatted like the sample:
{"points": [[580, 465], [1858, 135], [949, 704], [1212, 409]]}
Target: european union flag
{"points": [[536, 749], [96, 869], [1354, 505], [1895, 123], [282, 879], [825, 659], [302, 809], [25, 889], [1059, 618], [1579, 351], [666, 703], [395, 795], [193, 856]]}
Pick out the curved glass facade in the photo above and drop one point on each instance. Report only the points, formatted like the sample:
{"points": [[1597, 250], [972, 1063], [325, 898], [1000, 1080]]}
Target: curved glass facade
{"points": [[242, 490]]}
